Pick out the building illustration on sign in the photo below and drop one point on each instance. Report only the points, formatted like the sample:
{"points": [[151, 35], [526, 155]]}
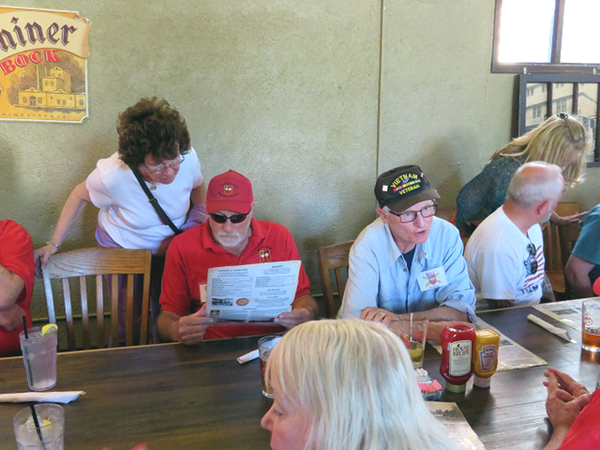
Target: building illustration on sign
{"points": [[52, 90], [43, 65]]}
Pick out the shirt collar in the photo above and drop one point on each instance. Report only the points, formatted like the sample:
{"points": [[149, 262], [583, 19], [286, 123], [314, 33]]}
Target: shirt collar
{"points": [[421, 250]]}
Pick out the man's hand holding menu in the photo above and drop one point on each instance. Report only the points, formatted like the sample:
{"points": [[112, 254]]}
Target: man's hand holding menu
{"points": [[191, 329]]}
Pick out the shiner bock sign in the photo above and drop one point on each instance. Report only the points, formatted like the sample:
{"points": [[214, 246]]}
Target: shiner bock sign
{"points": [[43, 71]]}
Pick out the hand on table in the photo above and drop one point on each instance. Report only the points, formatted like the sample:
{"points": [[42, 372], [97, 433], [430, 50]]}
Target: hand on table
{"points": [[294, 317], [566, 398], [191, 328], [379, 315]]}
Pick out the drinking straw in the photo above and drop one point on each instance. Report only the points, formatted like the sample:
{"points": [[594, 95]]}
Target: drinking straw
{"points": [[25, 359], [37, 425]]}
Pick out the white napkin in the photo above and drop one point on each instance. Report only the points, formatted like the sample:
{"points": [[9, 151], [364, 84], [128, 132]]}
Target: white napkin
{"points": [[248, 357], [49, 397], [561, 333]]}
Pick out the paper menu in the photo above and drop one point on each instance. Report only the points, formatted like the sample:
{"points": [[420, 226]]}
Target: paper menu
{"points": [[251, 292]]}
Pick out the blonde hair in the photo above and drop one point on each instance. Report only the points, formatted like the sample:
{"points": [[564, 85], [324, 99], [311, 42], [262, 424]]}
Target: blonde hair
{"points": [[551, 142], [356, 382]]}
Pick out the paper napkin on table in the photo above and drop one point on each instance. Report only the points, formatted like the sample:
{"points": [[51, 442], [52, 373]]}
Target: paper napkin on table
{"points": [[49, 397], [560, 332]]}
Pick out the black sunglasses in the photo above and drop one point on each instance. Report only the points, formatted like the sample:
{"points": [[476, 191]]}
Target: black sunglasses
{"points": [[533, 263], [235, 218]]}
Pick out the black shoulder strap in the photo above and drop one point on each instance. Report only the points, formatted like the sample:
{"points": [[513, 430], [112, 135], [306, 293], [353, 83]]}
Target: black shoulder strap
{"points": [[154, 202]]}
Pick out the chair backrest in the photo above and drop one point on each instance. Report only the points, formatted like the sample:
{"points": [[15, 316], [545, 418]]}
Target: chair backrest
{"points": [[568, 236], [98, 262], [552, 241], [333, 257]]}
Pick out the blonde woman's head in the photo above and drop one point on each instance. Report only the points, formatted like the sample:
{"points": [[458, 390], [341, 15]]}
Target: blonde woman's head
{"points": [[347, 385], [560, 140]]}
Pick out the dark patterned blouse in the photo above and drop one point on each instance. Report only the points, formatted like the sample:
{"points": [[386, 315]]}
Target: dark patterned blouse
{"points": [[485, 193]]}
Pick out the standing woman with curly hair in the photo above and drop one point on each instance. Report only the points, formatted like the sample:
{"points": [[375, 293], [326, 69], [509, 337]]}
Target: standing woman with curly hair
{"points": [[154, 142], [560, 140]]}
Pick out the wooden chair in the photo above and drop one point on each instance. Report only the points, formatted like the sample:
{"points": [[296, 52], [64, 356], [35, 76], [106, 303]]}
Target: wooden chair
{"points": [[98, 262], [553, 247], [333, 257], [568, 237]]}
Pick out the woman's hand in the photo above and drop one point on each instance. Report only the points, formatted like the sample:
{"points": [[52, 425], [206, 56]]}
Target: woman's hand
{"points": [[563, 221], [41, 256]]}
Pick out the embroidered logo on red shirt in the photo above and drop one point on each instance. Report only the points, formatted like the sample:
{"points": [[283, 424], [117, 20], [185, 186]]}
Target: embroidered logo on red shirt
{"points": [[264, 254]]}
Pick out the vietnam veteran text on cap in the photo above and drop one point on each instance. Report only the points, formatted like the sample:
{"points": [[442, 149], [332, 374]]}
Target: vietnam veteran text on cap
{"points": [[402, 187]]}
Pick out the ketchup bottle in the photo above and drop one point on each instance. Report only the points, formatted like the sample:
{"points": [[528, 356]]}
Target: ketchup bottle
{"points": [[458, 342]]}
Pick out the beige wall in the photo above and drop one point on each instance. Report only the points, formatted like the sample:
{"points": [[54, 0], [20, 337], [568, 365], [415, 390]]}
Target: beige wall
{"points": [[285, 91]]}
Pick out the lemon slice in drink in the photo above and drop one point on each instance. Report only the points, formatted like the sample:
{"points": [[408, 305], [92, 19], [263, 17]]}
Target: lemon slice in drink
{"points": [[49, 328]]}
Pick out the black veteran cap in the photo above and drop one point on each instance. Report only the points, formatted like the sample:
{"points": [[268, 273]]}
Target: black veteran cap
{"points": [[402, 187]]}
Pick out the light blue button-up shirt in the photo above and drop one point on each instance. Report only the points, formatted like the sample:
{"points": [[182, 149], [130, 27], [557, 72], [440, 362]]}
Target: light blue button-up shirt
{"points": [[379, 276]]}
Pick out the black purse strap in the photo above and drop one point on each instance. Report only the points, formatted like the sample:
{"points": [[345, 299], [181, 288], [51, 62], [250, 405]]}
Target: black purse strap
{"points": [[154, 202]]}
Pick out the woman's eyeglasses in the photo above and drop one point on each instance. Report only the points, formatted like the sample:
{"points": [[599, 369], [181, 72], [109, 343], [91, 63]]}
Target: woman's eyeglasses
{"points": [[533, 263], [164, 167], [234, 218]]}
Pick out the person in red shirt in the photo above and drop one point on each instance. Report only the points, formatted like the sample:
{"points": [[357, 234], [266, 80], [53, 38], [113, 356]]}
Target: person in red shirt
{"points": [[230, 237], [16, 284], [573, 413]]}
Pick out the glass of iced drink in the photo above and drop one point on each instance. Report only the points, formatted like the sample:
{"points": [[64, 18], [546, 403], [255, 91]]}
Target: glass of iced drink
{"points": [[590, 325], [39, 357], [265, 347], [414, 335], [51, 418]]}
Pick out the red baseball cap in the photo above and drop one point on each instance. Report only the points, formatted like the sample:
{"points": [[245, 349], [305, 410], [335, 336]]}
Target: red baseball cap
{"points": [[230, 191]]}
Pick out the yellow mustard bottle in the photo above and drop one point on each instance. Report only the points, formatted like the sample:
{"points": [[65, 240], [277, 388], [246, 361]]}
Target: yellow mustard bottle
{"points": [[485, 357]]}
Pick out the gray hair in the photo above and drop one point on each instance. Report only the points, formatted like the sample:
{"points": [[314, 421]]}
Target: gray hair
{"points": [[536, 182], [355, 381]]}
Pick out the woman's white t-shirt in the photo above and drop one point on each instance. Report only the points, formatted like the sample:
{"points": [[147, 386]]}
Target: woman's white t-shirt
{"points": [[125, 212]]}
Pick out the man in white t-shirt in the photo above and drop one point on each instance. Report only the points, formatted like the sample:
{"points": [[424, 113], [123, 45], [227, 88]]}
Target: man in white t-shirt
{"points": [[505, 254]]}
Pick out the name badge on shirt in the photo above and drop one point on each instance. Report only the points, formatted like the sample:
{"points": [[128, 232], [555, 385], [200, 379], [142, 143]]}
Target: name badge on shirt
{"points": [[432, 278]]}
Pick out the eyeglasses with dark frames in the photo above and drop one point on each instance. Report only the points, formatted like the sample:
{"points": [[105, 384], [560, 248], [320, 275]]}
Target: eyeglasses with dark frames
{"points": [[533, 262], [410, 216], [164, 167], [234, 218]]}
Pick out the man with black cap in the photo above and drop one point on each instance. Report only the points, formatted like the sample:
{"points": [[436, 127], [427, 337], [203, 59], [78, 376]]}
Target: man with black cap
{"points": [[407, 260], [230, 237]]}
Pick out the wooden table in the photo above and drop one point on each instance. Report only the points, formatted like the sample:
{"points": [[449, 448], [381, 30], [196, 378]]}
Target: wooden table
{"points": [[511, 414], [173, 396]]}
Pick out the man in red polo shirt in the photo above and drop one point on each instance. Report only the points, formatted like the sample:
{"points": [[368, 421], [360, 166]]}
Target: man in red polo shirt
{"points": [[16, 284], [230, 237]]}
